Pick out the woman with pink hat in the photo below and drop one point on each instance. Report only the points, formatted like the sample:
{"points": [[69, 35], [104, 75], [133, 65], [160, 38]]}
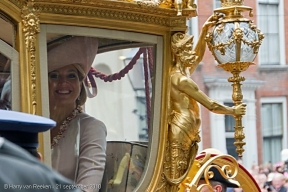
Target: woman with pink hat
{"points": [[78, 141]]}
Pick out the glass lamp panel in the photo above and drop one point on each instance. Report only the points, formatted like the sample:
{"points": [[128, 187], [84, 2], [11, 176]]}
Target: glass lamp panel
{"points": [[223, 37], [226, 35], [247, 52]]}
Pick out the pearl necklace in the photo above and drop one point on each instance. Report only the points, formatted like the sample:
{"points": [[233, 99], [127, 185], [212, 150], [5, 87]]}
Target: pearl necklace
{"points": [[64, 126]]}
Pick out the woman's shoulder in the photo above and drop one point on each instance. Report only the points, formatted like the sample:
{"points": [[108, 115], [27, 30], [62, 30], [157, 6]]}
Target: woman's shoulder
{"points": [[92, 130], [90, 121]]}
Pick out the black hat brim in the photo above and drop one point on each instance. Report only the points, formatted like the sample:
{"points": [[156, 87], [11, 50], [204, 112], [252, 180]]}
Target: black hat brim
{"points": [[218, 177]]}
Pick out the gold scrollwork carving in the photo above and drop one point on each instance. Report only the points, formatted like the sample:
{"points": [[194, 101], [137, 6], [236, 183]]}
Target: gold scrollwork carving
{"points": [[202, 169], [255, 45], [18, 3], [177, 22], [102, 13], [226, 165], [144, 11], [31, 27]]}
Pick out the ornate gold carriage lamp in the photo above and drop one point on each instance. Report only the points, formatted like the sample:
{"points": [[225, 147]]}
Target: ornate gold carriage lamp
{"points": [[234, 43]]}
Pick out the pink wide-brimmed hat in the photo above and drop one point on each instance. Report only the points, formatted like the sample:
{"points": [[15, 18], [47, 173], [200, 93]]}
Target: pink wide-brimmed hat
{"points": [[73, 50]]}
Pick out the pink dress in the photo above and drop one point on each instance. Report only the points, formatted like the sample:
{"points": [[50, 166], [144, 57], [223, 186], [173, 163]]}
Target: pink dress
{"points": [[81, 153]]}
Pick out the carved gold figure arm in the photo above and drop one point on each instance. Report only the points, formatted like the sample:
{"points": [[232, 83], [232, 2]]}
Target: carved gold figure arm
{"points": [[188, 86], [200, 47]]}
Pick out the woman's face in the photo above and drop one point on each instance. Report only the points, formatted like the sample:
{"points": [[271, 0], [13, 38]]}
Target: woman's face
{"points": [[64, 87]]}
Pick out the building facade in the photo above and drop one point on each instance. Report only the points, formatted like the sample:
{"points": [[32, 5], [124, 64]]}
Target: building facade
{"points": [[265, 89]]}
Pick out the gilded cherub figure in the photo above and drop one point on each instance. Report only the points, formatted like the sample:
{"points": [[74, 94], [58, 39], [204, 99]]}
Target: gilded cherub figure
{"points": [[184, 121]]}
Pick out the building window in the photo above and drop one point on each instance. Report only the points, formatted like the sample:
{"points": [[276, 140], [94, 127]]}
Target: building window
{"points": [[231, 148], [229, 129], [268, 19], [142, 117], [229, 120], [217, 3], [272, 130]]}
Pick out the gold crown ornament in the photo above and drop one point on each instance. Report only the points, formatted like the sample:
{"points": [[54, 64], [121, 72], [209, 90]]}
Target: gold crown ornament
{"points": [[229, 3], [232, 9]]}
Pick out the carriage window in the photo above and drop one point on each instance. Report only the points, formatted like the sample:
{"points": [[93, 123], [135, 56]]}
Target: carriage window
{"points": [[125, 107], [125, 104], [120, 86], [8, 55]]}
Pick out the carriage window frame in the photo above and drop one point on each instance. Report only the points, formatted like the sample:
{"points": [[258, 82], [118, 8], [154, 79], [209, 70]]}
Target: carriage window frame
{"points": [[9, 52], [156, 99]]}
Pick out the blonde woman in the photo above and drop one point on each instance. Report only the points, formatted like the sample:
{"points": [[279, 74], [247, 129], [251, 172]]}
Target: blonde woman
{"points": [[78, 141]]}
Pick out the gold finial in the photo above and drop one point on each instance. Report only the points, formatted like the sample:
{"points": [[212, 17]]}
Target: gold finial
{"points": [[229, 3]]}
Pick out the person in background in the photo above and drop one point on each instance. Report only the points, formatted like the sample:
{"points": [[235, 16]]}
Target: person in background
{"points": [[277, 183], [286, 183], [262, 181], [19, 170], [78, 141]]}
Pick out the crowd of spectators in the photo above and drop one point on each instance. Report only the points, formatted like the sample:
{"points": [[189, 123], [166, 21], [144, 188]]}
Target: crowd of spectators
{"points": [[271, 177]]}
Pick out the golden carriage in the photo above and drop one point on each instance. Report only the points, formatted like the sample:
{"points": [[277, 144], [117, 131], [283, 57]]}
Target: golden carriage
{"points": [[127, 30]]}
